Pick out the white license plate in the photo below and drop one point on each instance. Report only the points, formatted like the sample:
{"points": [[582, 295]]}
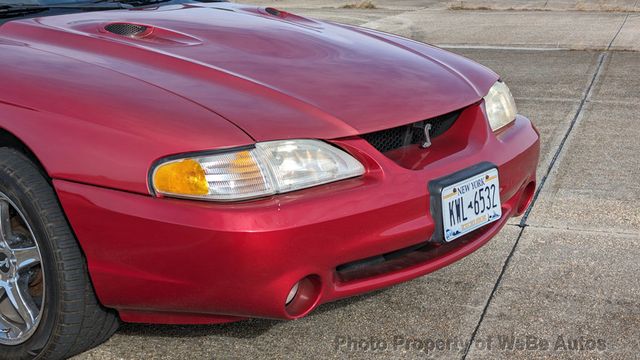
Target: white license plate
{"points": [[470, 204]]}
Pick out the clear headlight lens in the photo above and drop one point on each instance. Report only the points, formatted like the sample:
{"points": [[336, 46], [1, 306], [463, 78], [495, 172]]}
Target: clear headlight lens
{"points": [[500, 106], [270, 168]]}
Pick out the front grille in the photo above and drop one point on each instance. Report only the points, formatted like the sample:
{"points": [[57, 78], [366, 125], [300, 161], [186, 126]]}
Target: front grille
{"points": [[401, 136]]}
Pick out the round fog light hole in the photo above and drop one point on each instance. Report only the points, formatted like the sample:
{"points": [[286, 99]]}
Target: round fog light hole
{"points": [[526, 198], [292, 293], [303, 297]]}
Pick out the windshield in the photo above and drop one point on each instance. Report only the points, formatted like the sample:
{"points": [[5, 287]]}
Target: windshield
{"points": [[40, 2], [16, 9], [72, 2]]}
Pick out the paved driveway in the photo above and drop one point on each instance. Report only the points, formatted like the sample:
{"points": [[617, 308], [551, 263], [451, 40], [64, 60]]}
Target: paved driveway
{"points": [[564, 280]]}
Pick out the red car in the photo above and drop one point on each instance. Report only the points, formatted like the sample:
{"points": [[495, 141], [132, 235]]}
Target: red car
{"points": [[206, 162]]}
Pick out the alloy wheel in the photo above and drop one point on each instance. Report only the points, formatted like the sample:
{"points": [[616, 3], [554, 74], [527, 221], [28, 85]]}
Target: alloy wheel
{"points": [[21, 276]]}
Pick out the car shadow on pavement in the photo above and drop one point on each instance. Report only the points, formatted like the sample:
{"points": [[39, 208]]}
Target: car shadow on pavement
{"points": [[246, 329]]}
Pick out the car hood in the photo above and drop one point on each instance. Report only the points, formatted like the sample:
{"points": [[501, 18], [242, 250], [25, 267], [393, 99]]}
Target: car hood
{"points": [[275, 75]]}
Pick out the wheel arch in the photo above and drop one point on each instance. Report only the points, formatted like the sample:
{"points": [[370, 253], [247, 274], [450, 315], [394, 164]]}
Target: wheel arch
{"points": [[10, 140]]}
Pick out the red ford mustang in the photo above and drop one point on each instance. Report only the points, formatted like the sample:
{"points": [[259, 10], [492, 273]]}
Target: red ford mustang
{"points": [[200, 163]]}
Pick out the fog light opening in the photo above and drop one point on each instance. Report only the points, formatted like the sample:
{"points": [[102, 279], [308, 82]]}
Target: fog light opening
{"points": [[303, 297], [292, 293], [526, 198]]}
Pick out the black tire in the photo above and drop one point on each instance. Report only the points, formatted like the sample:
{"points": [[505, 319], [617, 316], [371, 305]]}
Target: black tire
{"points": [[72, 320]]}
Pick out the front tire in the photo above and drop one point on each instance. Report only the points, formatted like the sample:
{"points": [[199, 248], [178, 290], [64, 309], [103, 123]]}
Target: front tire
{"points": [[48, 308]]}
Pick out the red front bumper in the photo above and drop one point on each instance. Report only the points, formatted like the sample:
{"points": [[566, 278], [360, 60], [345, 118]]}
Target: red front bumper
{"points": [[176, 261]]}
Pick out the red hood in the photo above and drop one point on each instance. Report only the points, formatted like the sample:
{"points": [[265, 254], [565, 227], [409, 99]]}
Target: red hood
{"points": [[273, 76]]}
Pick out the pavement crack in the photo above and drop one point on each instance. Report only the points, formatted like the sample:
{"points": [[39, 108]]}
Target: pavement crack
{"points": [[587, 231], [523, 222], [576, 117], [492, 295], [619, 30], [501, 47]]}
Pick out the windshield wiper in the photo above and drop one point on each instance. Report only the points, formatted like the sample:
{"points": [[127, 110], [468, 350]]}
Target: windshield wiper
{"points": [[25, 9]]}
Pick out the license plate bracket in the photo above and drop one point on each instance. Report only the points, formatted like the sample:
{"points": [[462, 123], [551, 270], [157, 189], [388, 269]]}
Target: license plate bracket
{"points": [[436, 188]]}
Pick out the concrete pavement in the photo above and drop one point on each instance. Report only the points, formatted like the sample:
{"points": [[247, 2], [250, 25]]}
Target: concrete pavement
{"points": [[566, 275]]}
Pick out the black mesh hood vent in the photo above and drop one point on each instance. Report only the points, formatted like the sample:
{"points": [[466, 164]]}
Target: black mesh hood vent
{"points": [[126, 29]]}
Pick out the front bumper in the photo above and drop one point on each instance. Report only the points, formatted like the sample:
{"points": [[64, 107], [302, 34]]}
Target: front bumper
{"points": [[176, 261]]}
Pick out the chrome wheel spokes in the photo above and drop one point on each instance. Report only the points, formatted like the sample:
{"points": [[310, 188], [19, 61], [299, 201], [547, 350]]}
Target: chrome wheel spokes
{"points": [[26, 257], [5, 224], [21, 276], [19, 301]]}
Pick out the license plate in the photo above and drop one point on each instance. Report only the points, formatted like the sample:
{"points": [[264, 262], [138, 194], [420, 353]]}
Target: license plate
{"points": [[470, 204]]}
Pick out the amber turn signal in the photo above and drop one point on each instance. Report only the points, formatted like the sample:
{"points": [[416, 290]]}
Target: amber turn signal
{"points": [[183, 177]]}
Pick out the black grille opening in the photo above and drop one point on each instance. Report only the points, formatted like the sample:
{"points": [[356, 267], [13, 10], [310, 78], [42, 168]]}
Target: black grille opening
{"points": [[126, 29], [405, 258], [401, 136]]}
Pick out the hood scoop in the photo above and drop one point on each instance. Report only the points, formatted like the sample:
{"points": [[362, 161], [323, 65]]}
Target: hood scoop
{"points": [[127, 29], [148, 33]]}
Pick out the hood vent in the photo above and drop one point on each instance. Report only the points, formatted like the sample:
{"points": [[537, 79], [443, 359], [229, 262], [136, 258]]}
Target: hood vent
{"points": [[131, 32], [126, 29], [275, 12], [288, 17]]}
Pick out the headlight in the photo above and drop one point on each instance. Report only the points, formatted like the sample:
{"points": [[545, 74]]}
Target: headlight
{"points": [[501, 108], [270, 168]]}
